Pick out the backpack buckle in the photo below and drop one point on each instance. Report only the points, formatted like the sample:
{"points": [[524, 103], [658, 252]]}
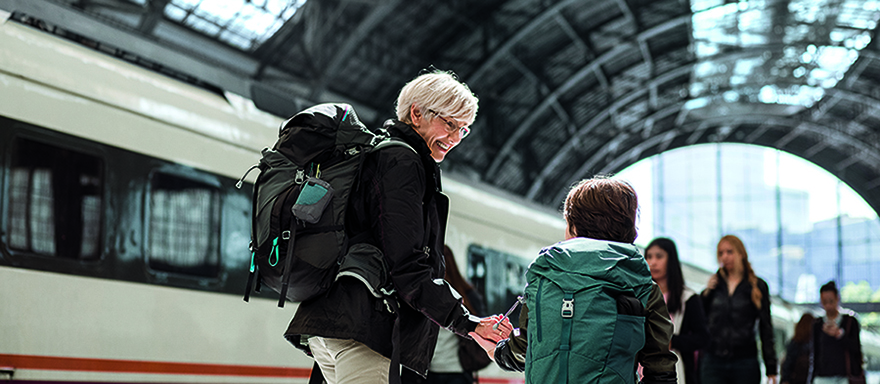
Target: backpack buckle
{"points": [[285, 235], [567, 308]]}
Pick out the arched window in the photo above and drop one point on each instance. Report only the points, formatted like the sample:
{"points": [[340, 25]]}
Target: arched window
{"points": [[801, 225]]}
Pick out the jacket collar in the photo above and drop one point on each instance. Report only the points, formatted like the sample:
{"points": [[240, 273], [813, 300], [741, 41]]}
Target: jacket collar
{"points": [[405, 132]]}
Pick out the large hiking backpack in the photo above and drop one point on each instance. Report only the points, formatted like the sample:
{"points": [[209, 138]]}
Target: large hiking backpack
{"points": [[298, 238], [586, 323]]}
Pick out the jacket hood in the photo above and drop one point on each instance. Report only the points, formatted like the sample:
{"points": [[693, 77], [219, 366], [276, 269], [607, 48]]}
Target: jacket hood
{"points": [[620, 264]]}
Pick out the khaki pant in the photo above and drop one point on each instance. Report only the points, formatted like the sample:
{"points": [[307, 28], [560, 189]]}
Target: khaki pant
{"points": [[349, 362]]}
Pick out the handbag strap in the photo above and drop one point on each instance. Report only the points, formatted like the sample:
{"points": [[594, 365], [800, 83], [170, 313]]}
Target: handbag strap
{"points": [[846, 350]]}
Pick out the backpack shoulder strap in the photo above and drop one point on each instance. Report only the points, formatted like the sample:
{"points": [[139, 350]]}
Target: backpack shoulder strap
{"points": [[390, 142]]}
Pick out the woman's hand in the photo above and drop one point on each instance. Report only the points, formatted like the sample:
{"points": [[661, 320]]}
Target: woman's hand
{"points": [[771, 379], [713, 281], [489, 331], [831, 329]]}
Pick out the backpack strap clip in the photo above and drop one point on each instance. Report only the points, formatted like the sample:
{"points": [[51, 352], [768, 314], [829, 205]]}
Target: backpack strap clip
{"points": [[285, 235], [567, 308]]}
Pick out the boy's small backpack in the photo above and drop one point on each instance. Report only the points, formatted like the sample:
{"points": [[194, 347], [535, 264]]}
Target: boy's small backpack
{"points": [[300, 197], [586, 321]]}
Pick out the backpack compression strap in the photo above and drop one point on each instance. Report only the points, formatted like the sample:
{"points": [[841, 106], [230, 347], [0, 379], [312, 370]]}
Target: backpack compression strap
{"points": [[252, 246], [565, 339], [288, 264]]}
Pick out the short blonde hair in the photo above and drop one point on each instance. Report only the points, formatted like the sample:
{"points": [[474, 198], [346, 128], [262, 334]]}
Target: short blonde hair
{"points": [[441, 92]]}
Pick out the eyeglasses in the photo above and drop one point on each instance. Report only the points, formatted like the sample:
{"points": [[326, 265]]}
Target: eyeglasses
{"points": [[450, 127]]}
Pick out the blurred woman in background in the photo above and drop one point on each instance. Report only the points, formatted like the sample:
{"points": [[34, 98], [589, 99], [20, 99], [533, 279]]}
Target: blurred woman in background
{"points": [[797, 366], [836, 342], [685, 307], [734, 299]]}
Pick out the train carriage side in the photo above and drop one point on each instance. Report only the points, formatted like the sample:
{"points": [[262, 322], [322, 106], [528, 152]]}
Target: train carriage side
{"points": [[123, 243], [123, 239]]}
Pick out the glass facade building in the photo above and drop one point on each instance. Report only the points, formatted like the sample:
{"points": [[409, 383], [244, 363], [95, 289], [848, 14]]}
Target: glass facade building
{"points": [[801, 226]]}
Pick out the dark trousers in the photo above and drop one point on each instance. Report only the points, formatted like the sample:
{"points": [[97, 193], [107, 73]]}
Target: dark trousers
{"points": [[410, 377], [717, 370]]}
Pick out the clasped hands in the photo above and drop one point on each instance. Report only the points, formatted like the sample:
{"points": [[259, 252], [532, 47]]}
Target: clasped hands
{"points": [[487, 334]]}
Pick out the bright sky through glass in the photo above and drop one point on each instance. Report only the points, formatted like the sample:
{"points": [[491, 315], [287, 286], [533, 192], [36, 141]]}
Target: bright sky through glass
{"points": [[801, 175], [244, 24], [795, 174], [641, 176]]}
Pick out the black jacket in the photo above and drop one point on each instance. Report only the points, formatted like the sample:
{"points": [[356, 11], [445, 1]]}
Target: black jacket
{"points": [[830, 352], [398, 198], [732, 323], [693, 336], [797, 365]]}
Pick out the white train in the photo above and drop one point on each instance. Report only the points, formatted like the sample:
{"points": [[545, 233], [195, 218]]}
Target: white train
{"points": [[123, 243]]}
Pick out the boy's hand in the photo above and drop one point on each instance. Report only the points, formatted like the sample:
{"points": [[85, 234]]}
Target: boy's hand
{"points": [[487, 345]]}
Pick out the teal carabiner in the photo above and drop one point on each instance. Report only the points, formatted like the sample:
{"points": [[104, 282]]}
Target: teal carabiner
{"points": [[275, 251]]}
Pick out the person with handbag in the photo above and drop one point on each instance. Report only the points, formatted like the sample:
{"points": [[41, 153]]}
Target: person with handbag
{"points": [[838, 349], [797, 366], [456, 359]]}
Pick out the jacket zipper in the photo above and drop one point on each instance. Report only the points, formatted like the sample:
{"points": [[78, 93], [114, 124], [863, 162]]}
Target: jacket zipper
{"points": [[538, 309]]}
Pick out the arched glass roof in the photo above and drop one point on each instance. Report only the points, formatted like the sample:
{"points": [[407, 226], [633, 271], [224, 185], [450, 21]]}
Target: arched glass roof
{"points": [[568, 88], [787, 53], [245, 24]]}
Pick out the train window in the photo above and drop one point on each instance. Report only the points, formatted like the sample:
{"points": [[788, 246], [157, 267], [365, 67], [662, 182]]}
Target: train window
{"points": [[500, 277], [184, 222], [55, 201]]}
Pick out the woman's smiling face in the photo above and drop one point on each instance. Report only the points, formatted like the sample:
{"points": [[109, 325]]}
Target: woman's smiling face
{"points": [[440, 133]]}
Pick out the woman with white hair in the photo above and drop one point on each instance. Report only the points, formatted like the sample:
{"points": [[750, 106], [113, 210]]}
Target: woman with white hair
{"points": [[397, 207]]}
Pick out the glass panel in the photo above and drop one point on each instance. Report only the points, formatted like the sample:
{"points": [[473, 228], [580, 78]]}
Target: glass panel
{"points": [[40, 218], [243, 24], [18, 192], [56, 199], [804, 68], [797, 220], [183, 223], [500, 277]]}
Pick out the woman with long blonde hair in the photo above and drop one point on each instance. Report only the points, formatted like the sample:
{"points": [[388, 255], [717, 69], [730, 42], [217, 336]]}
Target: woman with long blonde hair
{"points": [[735, 299]]}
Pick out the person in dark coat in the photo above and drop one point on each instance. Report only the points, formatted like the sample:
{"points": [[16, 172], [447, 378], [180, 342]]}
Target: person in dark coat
{"points": [[685, 307], [836, 338], [797, 366], [734, 300], [398, 203], [456, 359]]}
